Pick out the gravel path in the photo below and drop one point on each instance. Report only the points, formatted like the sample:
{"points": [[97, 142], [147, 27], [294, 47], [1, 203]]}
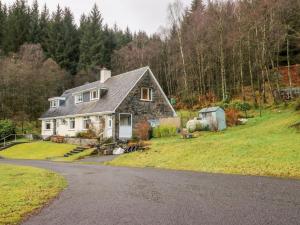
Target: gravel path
{"points": [[106, 195]]}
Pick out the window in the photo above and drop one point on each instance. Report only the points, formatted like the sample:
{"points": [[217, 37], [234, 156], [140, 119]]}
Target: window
{"points": [[78, 98], [146, 94], [86, 122], [125, 119], [110, 122], [72, 123], [48, 125], [63, 121], [94, 95], [54, 103]]}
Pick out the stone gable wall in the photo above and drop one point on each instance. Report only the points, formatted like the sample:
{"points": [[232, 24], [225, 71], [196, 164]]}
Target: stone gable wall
{"points": [[143, 110]]}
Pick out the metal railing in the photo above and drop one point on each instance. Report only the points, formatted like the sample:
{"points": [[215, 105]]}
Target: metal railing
{"points": [[13, 138]]}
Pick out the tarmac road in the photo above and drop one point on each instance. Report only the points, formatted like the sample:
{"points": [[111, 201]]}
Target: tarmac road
{"points": [[106, 195]]}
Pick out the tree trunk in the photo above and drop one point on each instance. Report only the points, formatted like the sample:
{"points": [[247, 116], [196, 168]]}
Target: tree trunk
{"points": [[242, 72], [250, 70], [222, 67], [182, 58], [288, 62]]}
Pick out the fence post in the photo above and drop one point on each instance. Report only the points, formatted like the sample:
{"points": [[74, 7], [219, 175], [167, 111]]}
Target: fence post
{"points": [[4, 142], [15, 138]]}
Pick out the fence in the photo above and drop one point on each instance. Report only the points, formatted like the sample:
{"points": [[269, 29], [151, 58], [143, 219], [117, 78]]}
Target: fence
{"points": [[15, 138]]}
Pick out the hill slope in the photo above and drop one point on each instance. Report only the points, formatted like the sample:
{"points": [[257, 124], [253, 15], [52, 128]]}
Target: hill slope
{"points": [[266, 146]]}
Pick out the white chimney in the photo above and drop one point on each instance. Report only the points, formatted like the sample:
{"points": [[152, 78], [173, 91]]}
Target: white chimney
{"points": [[104, 75]]}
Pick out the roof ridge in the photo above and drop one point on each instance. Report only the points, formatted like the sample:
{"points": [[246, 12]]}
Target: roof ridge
{"points": [[121, 74], [145, 67]]}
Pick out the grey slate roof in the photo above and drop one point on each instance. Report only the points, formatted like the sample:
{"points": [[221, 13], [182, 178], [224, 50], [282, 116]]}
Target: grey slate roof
{"points": [[210, 109], [118, 87]]}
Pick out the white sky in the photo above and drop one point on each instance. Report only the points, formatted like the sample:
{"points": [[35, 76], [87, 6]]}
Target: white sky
{"points": [[147, 15]]}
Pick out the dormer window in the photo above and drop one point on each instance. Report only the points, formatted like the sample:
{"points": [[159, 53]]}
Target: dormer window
{"points": [[78, 98], [146, 94], [94, 95], [54, 104], [56, 101]]}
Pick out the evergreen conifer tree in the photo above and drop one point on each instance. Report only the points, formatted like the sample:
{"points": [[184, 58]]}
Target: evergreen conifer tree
{"points": [[34, 25]]}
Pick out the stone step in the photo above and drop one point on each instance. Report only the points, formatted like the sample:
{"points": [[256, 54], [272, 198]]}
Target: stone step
{"points": [[75, 151]]}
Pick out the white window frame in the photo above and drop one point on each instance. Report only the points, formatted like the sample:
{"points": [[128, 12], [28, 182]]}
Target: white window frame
{"points": [[92, 95], [78, 98], [54, 103], [70, 122], [48, 122], [109, 123], [86, 118], [149, 93]]}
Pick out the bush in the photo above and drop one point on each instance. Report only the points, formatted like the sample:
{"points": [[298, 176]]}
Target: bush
{"points": [[232, 116], [189, 100], [143, 131], [297, 105], [6, 128], [89, 134], [164, 131], [242, 106]]}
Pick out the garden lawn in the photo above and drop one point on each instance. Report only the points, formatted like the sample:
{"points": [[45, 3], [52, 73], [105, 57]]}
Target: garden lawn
{"points": [[266, 146], [37, 150], [25, 189]]}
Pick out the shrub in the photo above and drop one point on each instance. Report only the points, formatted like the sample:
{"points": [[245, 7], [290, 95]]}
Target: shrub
{"points": [[6, 128], [242, 106], [164, 131], [297, 105], [89, 134], [189, 100], [143, 130], [232, 116]]}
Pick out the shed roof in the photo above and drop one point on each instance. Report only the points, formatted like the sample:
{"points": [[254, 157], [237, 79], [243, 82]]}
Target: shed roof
{"points": [[210, 109], [118, 88]]}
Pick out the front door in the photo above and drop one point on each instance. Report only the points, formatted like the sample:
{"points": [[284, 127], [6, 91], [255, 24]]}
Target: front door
{"points": [[125, 126], [109, 127]]}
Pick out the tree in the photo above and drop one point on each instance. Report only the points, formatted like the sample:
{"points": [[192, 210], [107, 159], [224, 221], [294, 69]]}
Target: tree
{"points": [[91, 43], [44, 29], [62, 41], [71, 43], [34, 33], [176, 18], [17, 26], [3, 17]]}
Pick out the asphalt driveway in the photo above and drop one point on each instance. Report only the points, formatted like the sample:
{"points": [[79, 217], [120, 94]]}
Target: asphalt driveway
{"points": [[127, 196]]}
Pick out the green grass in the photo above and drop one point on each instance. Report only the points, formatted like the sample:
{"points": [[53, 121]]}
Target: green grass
{"points": [[266, 146], [37, 150], [75, 157], [25, 189]]}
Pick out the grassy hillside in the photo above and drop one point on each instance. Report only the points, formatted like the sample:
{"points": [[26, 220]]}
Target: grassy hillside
{"points": [[37, 150], [24, 189], [265, 146]]}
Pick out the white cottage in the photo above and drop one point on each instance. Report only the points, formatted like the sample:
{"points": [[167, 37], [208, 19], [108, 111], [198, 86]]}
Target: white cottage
{"points": [[215, 117], [113, 106]]}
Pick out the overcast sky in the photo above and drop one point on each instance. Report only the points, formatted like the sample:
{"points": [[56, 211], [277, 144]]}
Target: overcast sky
{"points": [[146, 15]]}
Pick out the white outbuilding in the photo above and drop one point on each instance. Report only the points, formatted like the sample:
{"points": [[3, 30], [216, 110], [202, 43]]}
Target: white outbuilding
{"points": [[215, 118]]}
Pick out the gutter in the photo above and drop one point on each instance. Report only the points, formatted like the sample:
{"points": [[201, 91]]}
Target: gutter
{"points": [[78, 115]]}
